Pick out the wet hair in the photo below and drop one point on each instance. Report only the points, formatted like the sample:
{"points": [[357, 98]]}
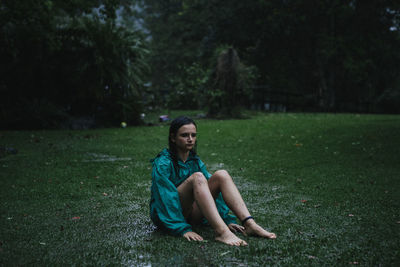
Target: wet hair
{"points": [[176, 124]]}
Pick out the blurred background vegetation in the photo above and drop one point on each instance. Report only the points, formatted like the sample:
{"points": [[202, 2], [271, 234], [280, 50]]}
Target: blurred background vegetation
{"points": [[95, 63]]}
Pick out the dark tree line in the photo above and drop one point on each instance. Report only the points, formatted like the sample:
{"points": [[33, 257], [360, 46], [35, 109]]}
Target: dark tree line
{"points": [[105, 61]]}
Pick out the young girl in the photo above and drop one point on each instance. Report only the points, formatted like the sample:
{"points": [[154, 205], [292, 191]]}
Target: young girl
{"points": [[183, 193]]}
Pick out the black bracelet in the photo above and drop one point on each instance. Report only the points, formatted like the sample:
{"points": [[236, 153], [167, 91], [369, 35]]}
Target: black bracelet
{"points": [[247, 218]]}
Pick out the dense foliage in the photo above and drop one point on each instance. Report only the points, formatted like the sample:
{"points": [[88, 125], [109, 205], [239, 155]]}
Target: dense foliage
{"points": [[68, 64], [332, 55], [72, 63]]}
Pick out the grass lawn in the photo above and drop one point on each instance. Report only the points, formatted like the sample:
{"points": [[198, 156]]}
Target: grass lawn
{"points": [[328, 185]]}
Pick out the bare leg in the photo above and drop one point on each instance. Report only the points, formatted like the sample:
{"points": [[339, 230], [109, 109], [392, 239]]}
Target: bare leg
{"points": [[196, 200], [222, 182]]}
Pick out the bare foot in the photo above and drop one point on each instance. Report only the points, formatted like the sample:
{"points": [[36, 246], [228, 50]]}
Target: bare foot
{"points": [[252, 228], [231, 239]]}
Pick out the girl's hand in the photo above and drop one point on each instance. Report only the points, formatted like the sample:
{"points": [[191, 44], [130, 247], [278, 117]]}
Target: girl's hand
{"points": [[236, 228], [192, 236]]}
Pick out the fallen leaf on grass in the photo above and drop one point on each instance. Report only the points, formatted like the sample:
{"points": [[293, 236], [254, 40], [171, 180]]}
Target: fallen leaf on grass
{"points": [[311, 257], [351, 215], [105, 194], [75, 218], [303, 201], [354, 262]]}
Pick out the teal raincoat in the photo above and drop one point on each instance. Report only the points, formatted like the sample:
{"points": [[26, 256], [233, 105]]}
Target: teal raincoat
{"points": [[165, 206]]}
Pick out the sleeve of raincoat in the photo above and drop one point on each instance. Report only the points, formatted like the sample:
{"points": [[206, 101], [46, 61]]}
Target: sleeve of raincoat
{"points": [[167, 204], [223, 209]]}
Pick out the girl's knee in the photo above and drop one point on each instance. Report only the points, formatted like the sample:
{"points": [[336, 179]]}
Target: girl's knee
{"points": [[222, 175], [198, 177]]}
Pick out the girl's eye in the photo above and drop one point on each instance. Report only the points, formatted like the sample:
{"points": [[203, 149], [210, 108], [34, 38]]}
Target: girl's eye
{"points": [[185, 135]]}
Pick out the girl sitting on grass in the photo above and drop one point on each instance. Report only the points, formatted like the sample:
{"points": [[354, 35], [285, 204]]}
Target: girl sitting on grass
{"points": [[183, 193]]}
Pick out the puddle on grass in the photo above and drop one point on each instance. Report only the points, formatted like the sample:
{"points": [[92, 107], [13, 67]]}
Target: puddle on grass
{"points": [[136, 263], [104, 158], [215, 166]]}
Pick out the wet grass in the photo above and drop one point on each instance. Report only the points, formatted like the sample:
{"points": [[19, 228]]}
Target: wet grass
{"points": [[327, 184]]}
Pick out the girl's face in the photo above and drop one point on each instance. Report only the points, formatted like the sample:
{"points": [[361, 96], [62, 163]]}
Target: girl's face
{"points": [[185, 138]]}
